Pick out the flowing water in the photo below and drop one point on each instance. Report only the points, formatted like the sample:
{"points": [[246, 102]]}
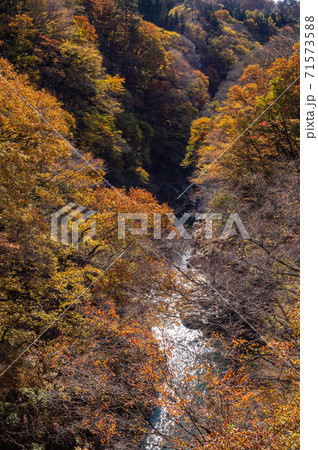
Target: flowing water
{"points": [[185, 347]]}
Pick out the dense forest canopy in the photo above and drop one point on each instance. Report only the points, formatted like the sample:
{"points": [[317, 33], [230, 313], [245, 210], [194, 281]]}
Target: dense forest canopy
{"points": [[133, 88], [118, 105]]}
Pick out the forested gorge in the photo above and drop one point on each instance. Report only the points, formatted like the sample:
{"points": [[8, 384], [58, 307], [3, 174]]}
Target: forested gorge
{"points": [[154, 107]]}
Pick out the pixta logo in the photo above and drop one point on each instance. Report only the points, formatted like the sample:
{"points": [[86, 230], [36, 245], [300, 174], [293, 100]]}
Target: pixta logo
{"points": [[233, 226], [66, 222]]}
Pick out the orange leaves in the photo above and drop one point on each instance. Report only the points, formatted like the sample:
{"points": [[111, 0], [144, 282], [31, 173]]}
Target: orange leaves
{"points": [[33, 115], [249, 145], [109, 203], [97, 358], [84, 28], [223, 14], [34, 131], [254, 75], [115, 371]]}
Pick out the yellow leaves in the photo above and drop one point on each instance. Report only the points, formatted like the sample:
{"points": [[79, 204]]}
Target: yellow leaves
{"points": [[101, 356], [35, 115], [115, 84], [143, 175], [22, 24], [248, 151], [229, 32], [33, 128], [84, 28], [199, 131], [223, 14]]}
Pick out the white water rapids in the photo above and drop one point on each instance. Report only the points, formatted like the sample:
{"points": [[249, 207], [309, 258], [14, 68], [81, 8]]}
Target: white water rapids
{"points": [[184, 346]]}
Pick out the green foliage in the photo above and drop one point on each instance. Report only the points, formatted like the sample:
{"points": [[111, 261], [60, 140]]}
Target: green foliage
{"points": [[110, 85], [274, 138], [219, 42], [259, 26], [63, 318], [253, 170], [199, 130], [77, 53]]}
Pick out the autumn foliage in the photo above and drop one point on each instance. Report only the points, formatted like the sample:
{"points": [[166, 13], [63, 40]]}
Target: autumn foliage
{"points": [[108, 104]]}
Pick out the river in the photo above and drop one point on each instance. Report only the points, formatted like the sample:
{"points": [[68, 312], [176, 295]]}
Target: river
{"points": [[184, 348]]}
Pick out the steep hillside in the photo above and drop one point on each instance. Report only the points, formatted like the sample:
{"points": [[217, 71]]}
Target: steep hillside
{"points": [[116, 107]]}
